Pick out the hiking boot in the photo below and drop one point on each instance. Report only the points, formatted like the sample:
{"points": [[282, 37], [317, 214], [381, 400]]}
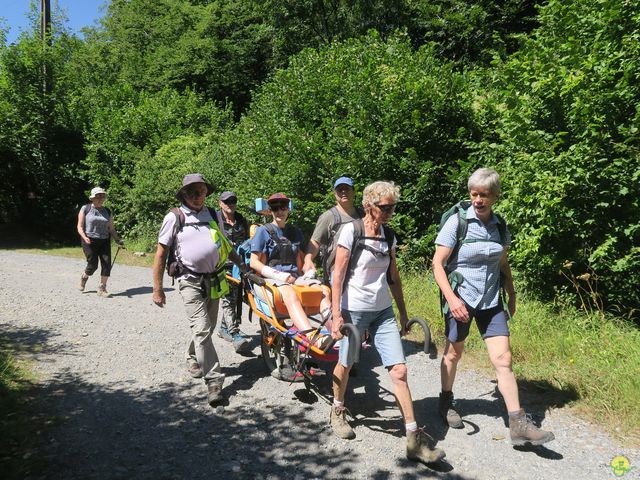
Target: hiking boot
{"points": [[194, 369], [214, 393], [83, 282], [240, 342], [223, 333], [339, 424], [524, 432], [420, 447], [447, 408], [102, 291]]}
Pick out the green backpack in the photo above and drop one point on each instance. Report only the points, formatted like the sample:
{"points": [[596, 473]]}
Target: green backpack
{"points": [[460, 209]]}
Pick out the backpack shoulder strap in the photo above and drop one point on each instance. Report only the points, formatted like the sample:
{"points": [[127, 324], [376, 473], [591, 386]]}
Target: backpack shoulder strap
{"points": [[336, 218], [86, 208], [389, 235], [502, 229], [180, 219]]}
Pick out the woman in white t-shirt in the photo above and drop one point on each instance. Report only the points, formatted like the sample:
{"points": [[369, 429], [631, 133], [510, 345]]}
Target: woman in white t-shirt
{"points": [[365, 278]]}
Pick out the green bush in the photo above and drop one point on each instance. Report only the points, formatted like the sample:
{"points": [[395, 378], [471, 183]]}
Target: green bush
{"points": [[367, 108], [562, 127]]}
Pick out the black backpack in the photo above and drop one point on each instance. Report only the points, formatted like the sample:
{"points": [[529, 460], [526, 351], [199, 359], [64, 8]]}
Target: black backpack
{"points": [[282, 253], [327, 252], [359, 245]]}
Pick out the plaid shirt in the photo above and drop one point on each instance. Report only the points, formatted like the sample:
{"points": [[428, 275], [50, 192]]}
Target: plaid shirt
{"points": [[477, 262]]}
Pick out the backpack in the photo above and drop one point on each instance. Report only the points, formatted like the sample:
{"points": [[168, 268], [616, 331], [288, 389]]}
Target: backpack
{"points": [[460, 209], [327, 252], [359, 245], [175, 268], [282, 252], [87, 208]]}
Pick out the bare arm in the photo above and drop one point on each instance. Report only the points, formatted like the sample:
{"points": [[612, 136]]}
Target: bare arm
{"points": [[456, 305], [339, 273], [314, 248], [159, 261], [507, 278], [80, 227], [113, 233], [257, 264], [398, 295]]}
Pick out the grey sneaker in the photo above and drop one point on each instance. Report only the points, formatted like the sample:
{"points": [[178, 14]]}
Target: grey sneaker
{"points": [[524, 432], [420, 447], [102, 291], [214, 393], [83, 282], [339, 424], [240, 342], [448, 412], [223, 333]]}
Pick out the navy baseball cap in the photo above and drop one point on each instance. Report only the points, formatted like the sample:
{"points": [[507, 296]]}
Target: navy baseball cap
{"points": [[343, 181]]}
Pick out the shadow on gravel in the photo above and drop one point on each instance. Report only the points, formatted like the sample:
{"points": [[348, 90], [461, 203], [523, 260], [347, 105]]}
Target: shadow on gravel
{"points": [[130, 292], [34, 340], [106, 433]]}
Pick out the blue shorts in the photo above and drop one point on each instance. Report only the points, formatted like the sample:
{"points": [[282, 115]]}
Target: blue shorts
{"points": [[384, 332], [491, 322]]}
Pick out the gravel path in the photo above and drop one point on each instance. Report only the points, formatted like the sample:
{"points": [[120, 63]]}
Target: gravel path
{"points": [[113, 377]]}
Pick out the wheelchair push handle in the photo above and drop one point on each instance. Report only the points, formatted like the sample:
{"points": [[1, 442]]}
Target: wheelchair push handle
{"points": [[427, 333]]}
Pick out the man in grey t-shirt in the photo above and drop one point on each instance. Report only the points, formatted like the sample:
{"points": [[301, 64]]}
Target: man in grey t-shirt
{"points": [[325, 235]]}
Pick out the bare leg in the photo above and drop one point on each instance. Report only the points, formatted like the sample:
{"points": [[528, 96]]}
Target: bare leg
{"points": [[500, 355], [340, 379], [449, 364], [398, 374], [294, 307]]}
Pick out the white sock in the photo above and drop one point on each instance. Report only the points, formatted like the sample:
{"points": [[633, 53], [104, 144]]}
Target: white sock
{"points": [[411, 427], [337, 403]]}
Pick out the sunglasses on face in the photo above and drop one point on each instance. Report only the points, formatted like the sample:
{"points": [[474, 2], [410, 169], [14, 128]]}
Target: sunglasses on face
{"points": [[230, 201], [195, 193], [388, 208], [278, 207]]}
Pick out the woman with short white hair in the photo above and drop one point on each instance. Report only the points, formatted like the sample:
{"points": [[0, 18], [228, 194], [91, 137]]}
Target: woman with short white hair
{"points": [[470, 272]]}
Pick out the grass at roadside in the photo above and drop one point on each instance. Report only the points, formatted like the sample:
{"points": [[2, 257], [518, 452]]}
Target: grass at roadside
{"points": [[590, 362], [20, 426], [125, 256]]}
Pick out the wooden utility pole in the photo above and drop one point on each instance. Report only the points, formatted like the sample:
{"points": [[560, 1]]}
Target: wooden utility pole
{"points": [[45, 20]]}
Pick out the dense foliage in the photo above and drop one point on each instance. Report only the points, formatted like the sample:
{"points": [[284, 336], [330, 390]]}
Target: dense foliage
{"points": [[282, 95]]}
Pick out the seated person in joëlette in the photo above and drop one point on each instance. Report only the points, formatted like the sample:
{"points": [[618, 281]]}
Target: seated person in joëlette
{"points": [[277, 253]]}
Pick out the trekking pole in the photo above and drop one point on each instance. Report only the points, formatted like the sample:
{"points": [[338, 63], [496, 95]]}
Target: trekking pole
{"points": [[114, 257]]}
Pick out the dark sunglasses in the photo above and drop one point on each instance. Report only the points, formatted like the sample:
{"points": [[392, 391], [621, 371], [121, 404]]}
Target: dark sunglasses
{"points": [[388, 208], [230, 201], [189, 193], [278, 207]]}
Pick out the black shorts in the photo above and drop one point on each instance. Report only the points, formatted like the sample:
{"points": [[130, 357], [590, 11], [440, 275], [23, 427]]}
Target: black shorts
{"points": [[491, 322]]}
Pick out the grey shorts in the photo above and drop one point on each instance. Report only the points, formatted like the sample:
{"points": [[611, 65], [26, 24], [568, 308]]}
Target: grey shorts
{"points": [[383, 329]]}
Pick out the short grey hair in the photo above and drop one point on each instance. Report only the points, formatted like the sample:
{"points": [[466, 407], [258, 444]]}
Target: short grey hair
{"points": [[376, 191], [485, 178]]}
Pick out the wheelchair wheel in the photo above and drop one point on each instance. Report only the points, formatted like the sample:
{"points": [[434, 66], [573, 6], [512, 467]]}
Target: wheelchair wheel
{"points": [[276, 349]]}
